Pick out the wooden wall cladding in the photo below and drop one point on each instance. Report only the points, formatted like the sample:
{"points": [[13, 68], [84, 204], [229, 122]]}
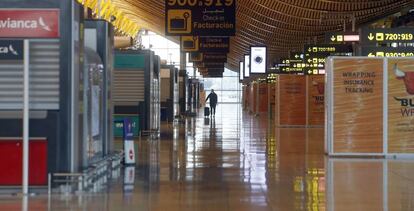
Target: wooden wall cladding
{"points": [[357, 105], [401, 105], [262, 99], [316, 100], [292, 100]]}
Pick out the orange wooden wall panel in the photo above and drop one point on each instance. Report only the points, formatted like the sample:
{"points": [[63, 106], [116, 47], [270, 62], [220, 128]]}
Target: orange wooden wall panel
{"points": [[401, 106], [316, 100], [253, 97], [262, 98], [246, 97], [358, 110], [292, 100]]}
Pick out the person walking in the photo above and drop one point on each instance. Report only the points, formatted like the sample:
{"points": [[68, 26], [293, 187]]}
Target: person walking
{"points": [[213, 102]]}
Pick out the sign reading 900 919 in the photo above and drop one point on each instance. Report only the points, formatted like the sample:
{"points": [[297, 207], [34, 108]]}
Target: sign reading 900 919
{"points": [[200, 17]]}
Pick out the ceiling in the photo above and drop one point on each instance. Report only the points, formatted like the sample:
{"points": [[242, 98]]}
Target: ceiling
{"points": [[282, 25]]}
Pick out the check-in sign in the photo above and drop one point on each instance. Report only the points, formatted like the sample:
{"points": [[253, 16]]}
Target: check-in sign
{"points": [[296, 55], [196, 57], [190, 44], [373, 51], [200, 17], [208, 57], [29, 23], [215, 57], [327, 49], [209, 65], [388, 35], [11, 49], [211, 71], [205, 44]]}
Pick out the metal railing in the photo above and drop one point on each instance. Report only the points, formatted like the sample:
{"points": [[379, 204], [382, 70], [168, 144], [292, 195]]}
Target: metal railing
{"points": [[89, 179]]}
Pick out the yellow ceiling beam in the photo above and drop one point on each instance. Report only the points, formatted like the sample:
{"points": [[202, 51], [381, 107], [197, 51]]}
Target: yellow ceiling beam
{"points": [[106, 10]]}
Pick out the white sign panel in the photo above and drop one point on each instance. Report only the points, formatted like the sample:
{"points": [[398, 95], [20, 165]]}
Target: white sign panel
{"points": [[129, 152], [246, 66], [258, 60], [241, 70]]}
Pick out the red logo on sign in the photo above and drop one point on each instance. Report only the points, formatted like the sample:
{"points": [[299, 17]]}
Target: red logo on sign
{"points": [[131, 154], [38, 23]]}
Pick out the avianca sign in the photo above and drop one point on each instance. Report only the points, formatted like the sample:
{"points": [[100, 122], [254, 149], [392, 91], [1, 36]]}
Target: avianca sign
{"points": [[11, 49], [29, 23]]}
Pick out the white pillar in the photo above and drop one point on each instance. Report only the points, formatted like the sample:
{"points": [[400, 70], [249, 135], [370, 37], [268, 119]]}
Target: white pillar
{"points": [[25, 182]]}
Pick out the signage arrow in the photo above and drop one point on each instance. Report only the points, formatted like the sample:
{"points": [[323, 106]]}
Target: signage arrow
{"points": [[371, 55], [310, 49], [296, 56], [333, 38], [371, 36], [309, 60]]}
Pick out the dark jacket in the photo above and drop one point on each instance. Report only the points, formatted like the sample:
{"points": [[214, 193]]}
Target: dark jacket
{"points": [[213, 98]]}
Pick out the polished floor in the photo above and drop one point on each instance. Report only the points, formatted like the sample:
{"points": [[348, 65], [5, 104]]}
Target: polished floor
{"points": [[236, 161]]}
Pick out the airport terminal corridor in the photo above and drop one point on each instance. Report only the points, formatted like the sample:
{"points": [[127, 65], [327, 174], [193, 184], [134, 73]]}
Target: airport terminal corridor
{"points": [[207, 105]]}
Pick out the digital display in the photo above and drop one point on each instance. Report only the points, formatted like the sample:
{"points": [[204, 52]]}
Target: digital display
{"points": [[258, 60], [342, 37], [246, 66], [241, 71]]}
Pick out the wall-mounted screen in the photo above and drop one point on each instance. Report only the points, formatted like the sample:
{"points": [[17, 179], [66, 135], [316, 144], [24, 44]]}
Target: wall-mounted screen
{"points": [[241, 71], [246, 66], [258, 59]]}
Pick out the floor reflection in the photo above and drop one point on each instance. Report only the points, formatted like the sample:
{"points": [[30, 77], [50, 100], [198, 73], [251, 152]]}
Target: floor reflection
{"points": [[236, 161]]}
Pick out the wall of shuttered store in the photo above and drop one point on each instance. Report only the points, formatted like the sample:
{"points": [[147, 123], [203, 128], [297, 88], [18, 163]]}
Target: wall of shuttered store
{"points": [[44, 78], [129, 87]]}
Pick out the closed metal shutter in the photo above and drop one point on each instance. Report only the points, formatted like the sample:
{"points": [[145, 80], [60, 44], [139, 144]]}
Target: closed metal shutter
{"points": [[129, 87], [44, 78]]}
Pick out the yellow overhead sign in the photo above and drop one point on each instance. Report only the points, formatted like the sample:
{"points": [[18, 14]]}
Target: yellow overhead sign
{"points": [[388, 35], [190, 43], [179, 21]]}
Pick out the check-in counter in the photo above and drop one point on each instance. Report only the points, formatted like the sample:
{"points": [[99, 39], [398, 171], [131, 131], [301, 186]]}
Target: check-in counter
{"points": [[262, 98], [11, 155], [271, 99], [253, 98], [290, 109], [316, 100], [169, 92], [137, 87], [246, 96], [348, 179]]}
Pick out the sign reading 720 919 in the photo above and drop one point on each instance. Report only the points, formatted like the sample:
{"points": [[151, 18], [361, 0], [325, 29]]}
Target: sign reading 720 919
{"points": [[200, 17]]}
